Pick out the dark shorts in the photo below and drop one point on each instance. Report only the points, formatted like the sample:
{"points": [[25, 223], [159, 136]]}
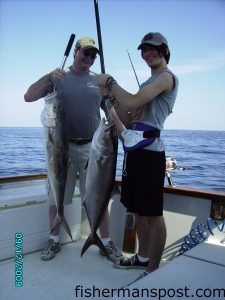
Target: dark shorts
{"points": [[143, 182]]}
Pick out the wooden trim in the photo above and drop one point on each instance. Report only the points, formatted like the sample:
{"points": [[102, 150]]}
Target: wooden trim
{"points": [[216, 196], [23, 178]]}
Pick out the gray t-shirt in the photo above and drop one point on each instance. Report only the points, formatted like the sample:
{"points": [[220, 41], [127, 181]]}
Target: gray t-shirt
{"points": [[155, 112], [81, 100]]}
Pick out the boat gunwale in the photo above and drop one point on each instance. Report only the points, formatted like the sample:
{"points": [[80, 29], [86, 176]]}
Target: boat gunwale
{"points": [[217, 196]]}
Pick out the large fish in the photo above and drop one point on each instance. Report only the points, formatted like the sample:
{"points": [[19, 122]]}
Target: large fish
{"points": [[100, 178], [57, 152]]}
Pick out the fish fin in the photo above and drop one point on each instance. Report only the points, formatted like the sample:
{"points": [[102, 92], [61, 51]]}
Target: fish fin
{"points": [[56, 222], [93, 241], [86, 165], [66, 226], [69, 163], [84, 203], [61, 220]]}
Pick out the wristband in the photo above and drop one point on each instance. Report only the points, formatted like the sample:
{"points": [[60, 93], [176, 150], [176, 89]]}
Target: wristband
{"points": [[114, 102], [109, 82]]}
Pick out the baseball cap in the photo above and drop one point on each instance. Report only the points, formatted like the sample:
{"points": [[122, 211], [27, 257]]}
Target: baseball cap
{"points": [[87, 42], [153, 38]]}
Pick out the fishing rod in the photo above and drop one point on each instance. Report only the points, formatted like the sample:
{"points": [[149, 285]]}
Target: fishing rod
{"points": [[130, 234], [67, 51], [104, 105], [133, 68], [99, 36]]}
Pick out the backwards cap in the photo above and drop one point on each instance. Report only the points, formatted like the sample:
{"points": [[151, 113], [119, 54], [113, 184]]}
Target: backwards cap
{"points": [[153, 38]]}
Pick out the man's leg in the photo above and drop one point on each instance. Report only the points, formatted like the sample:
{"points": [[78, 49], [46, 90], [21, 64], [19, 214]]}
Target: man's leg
{"points": [[104, 225], [152, 237], [53, 243], [52, 215], [112, 253]]}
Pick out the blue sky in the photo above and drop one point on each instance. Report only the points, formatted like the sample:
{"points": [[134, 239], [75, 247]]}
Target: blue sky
{"points": [[34, 34]]}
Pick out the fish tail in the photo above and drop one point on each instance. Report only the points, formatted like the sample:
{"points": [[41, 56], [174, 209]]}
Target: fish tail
{"points": [[62, 220], [93, 240], [66, 226], [56, 222]]}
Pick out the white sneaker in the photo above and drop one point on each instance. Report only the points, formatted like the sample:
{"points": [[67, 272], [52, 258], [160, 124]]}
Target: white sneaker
{"points": [[112, 253]]}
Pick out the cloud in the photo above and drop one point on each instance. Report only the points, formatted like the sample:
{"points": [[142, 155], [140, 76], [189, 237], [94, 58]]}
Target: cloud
{"points": [[193, 68], [201, 65]]}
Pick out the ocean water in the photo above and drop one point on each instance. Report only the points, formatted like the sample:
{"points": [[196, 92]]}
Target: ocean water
{"points": [[201, 152]]}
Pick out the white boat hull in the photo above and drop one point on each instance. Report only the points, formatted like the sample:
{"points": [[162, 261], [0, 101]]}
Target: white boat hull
{"points": [[24, 209]]}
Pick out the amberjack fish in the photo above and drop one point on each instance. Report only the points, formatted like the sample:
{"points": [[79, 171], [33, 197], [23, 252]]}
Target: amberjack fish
{"points": [[57, 152], [101, 170]]}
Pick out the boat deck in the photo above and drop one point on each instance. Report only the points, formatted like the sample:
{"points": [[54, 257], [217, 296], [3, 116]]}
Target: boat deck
{"points": [[57, 278], [202, 267]]}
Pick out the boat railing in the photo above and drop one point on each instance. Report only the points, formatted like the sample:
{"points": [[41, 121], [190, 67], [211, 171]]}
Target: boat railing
{"points": [[217, 197]]}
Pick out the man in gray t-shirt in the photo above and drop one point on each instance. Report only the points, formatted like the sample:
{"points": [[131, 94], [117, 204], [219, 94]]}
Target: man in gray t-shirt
{"points": [[79, 93]]}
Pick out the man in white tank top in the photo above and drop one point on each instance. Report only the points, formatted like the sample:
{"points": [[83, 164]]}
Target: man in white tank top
{"points": [[144, 113]]}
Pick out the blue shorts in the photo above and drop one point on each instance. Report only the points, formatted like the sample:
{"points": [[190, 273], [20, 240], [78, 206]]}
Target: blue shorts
{"points": [[143, 182]]}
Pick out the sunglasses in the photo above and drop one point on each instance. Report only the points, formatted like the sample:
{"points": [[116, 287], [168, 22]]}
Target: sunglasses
{"points": [[89, 53]]}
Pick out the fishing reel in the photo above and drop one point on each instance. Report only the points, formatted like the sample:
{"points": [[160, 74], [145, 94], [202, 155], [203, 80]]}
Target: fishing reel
{"points": [[171, 164]]}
